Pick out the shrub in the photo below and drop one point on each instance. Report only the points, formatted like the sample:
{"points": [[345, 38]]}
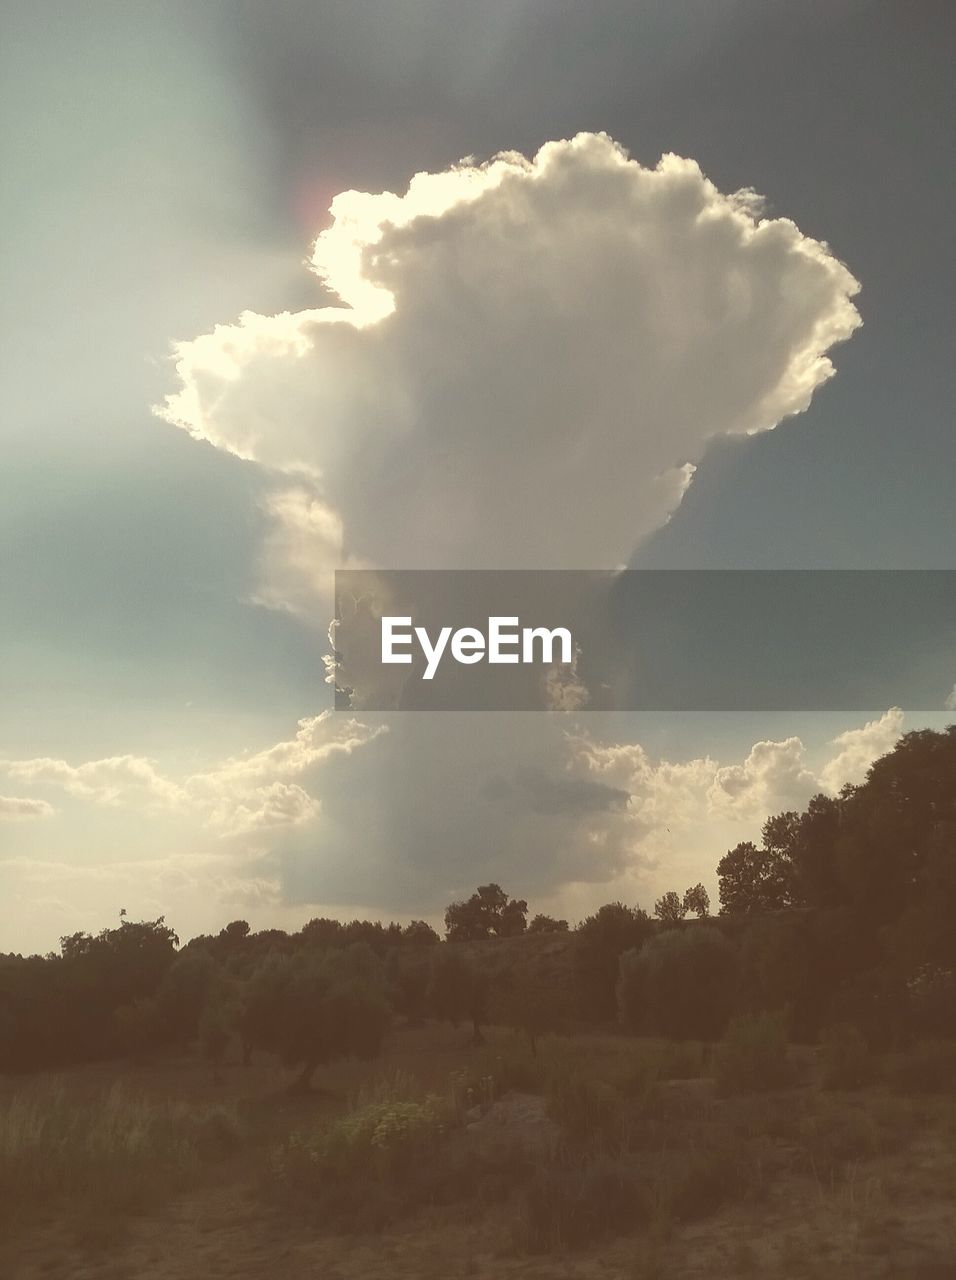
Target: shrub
{"points": [[752, 1057], [359, 1169], [699, 1183], [932, 994], [588, 1111], [928, 1067], [836, 1136], [568, 1206], [846, 1059], [389, 1155]]}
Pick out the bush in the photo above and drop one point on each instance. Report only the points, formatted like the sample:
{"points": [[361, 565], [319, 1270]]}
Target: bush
{"points": [[588, 1111], [752, 1057], [834, 1137], [359, 1169], [928, 1067], [570, 1206], [846, 1059], [700, 1182]]}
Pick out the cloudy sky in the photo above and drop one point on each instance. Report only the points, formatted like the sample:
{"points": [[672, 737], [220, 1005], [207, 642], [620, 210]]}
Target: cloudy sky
{"points": [[427, 284]]}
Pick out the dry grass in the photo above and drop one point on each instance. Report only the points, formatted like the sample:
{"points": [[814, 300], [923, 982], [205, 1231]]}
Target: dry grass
{"points": [[115, 1152]]}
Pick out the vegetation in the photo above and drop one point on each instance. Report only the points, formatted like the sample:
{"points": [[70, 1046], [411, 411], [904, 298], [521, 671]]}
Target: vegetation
{"points": [[625, 1076]]}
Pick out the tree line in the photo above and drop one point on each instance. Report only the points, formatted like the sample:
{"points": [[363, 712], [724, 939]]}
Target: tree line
{"points": [[843, 914]]}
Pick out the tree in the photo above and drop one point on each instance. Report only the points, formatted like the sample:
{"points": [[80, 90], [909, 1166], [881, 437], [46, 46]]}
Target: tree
{"points": [[235, 932], [315, 1006], [139, 1027], [697, 899], [599, 941], [669, 908], [488, 911], [456, 991], [184, 991], [216, 1026], [407, 975], [817, 881], [775, 971], [547, 924], [681, 984], [752, 880], [530, 1002], [419, 934]]}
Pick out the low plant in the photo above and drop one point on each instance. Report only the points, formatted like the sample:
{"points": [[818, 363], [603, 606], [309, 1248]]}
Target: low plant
{"points": [[572, 1205], [589, 1112], [927, 1067], [752, 1057], [846, 1059]]}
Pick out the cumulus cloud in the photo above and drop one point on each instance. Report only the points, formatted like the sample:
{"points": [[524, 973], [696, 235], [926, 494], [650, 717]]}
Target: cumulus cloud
{"points": [[256, 790], [774, 775], [237, 796], [527, 363], [110, 781], [858, 748], [18, 808], [529, 359], [280, 804]]}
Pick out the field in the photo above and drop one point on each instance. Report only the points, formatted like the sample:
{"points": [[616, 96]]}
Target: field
{"points": [[600, 1156]]}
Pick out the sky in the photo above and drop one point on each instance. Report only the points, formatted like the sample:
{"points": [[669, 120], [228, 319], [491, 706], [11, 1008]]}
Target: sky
{"points": [[697, 315]]}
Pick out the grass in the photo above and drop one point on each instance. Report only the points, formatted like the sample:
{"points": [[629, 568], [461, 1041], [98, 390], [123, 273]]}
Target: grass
{"points": [[116, 1151]]}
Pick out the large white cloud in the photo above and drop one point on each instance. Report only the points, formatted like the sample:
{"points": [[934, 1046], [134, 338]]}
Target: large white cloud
{"points": [[529, 358], [527, 362], [858, 748], [774, 774]]}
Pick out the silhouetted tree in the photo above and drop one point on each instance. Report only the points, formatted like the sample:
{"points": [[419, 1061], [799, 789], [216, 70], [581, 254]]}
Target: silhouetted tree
{"points": [[681, 984], [547, 924], [530, 1002], [457, 992], [419, 934], [315, 1006], [752, 880], [407, 975], [599, 941], [669, 908], [488, 911], [697, 899]]}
